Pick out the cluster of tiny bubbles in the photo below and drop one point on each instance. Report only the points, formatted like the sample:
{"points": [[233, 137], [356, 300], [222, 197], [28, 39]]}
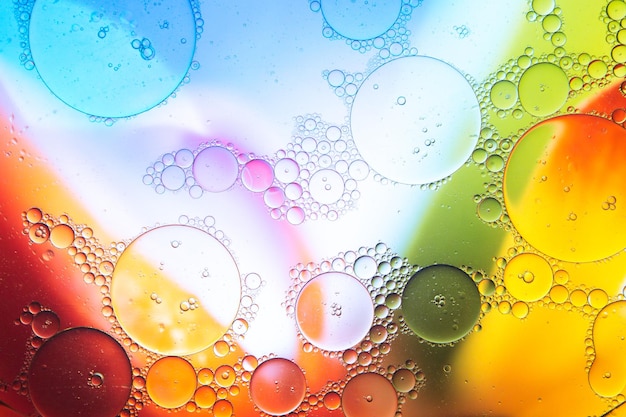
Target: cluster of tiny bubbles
{"points": [[344, 84], [365, 26], [353, 297], [407, 379], [22, 10], [98, 264], [329, 168], [44, 323], [195, 387], [316, 177], [356, 296]]}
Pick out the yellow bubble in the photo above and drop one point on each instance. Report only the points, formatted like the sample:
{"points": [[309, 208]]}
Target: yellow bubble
{"points": [[578, 298], [486, 287], [503, 94], [520, 309], [543, 89], [607, 375], [171, 382], [504, 307], [618, 53], [528, 277], [559, 294], [200, 267], [561, 276], [571, 150], [616, 9], [543, 7], [597, 69], [551, 23], [598, 298], [221, 348]]}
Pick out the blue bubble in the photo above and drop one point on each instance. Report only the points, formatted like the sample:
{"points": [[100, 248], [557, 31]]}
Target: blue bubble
{"points": [[60, 34]]}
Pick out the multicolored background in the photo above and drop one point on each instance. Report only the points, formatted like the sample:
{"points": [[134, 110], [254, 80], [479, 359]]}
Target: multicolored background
{"points": [[522, 189]]}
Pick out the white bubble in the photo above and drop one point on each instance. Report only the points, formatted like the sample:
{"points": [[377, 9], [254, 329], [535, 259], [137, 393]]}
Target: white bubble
{"points": [[184, 158], [365, 267], [215, 169], [336, 78], [361, 19], [359, 170], [452, 119], [286, 170], [173, 177], [326, 186]]}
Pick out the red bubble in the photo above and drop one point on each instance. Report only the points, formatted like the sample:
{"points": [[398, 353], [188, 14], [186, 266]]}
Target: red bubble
{"points": [[278, 386]]}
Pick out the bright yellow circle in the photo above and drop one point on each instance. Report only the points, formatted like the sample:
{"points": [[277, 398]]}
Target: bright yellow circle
{"points": [[528, 277]]}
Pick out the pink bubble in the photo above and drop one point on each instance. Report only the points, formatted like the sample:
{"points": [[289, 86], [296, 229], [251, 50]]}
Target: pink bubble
{"points": [[257, 175]]}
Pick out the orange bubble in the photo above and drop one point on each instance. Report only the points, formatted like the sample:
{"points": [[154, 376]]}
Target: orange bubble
{"points": [[171, 382], [223, 408], [205, 397], [607, 376], [556, 190], [277, 386], [332, 400], [369, 395], [38, 233], [62, 236]]}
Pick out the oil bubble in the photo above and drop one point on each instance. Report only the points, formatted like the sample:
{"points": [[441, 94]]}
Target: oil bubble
{"points": [[150, 264], [441, 303], [326, 186], [257, 175], [46, 324], [171, 382], [572, 150], [607, 375], [489, 209], [61, 236], [403, 380], [62, 33], [543, 89], [56, 371], [334, 311], [286, 170], [369, 395], [528, 277], [215, 169], [361, 20], [278, 386], [403, 126], [503, 94]]}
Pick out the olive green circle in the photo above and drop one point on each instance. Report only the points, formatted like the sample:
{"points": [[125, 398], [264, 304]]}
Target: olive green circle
{"points": [[543, 89], [441, 303], [489, 209], [503, 94]]}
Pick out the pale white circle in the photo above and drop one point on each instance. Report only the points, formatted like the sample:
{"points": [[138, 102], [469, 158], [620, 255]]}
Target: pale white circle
{"points": [[286, 170], [215, 169], [334, 311], [326, 186], [415, 120], [173, 177]]}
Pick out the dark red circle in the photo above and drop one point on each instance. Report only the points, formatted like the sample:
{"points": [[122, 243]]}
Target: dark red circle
{"points": [[60, 380]]}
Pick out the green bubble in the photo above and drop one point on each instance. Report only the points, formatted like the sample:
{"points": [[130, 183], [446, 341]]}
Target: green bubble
{"points": [[543, 7], [616, 9], [543, 89], [489, 209], [551, 23], [494, 163], [503, 94], [441, 304]]}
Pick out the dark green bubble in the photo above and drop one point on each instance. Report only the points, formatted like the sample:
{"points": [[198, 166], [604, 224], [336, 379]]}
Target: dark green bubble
{"points": [[441, 304]]}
